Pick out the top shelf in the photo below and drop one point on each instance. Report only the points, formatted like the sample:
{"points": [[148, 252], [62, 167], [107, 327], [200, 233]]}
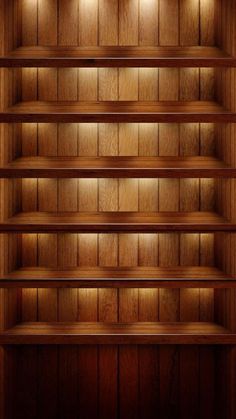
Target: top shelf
{"points": [[194, 56]]}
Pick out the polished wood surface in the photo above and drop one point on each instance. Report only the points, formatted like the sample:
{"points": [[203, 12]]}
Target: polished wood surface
{"points": [[117, 333], [165, 111], [147, 277], [118, 56], [116, 221], [131, 167]]}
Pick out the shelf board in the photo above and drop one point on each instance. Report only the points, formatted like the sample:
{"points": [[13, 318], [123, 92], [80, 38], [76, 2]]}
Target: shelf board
{"points": [[118, 56], [131, 167], [135, 277], [117, 333], [122, 111], [116, 221]]}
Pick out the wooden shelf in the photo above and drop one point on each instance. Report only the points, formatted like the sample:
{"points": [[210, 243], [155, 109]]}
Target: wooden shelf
{"points": [[116, 221], [117, 333], [198, 111], [115, 56], [131, 167], [147, 277]]}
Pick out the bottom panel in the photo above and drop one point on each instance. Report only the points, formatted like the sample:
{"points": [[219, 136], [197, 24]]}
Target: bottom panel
{"points": [[111, 382]]}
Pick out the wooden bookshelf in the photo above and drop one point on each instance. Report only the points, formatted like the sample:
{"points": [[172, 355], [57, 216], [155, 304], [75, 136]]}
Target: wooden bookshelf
{"points": [[117, 295]]}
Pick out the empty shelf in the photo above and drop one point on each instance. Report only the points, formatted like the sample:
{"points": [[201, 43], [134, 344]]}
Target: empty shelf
{"points": [[117, 56], [116, 221], [117, 333], [174, 277], [70, 167], [198, 111]]}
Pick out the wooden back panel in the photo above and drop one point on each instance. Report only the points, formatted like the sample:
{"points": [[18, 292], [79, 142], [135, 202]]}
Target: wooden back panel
{"points": [[115, 22], [108, 84], [112, 139]]}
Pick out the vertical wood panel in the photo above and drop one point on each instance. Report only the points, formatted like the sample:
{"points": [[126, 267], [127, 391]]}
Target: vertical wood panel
{"points": [[67, 84], [47, 382], [108, 22], [128, 22], [169, 22], [47, 22], [148, 23], [87, 142], [87, 85], [88, 22], [128, 84], [128, 139], [68, 381], [189, 22], [68, 19], [29, 25], [207, 22]]}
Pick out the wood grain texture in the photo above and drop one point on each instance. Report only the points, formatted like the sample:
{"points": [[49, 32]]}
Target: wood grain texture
{"points": [[98, 277]]}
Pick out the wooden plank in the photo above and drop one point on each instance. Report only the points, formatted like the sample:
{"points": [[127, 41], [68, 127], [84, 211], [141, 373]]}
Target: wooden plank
{"points": [[108, 84], [88, 23], [26, 382], [47, 22], [67, 140], [128, 84], [148, 23], [67, 22], [29, 25], [87, 141], [168, 23], [47, 139], [190, 139], [148, 84], [189, 194], [47, 84], [67, 84], [168, 140], [108, 139], [29, 140], [128, 139], [168, 84], [68, 381], [128, 22], [189, 84], [148, 195], [87, 192], [189, 22], [148, 139], [88, 84], [108, 22], [67, 195], [47, 382], [207, 22]]}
